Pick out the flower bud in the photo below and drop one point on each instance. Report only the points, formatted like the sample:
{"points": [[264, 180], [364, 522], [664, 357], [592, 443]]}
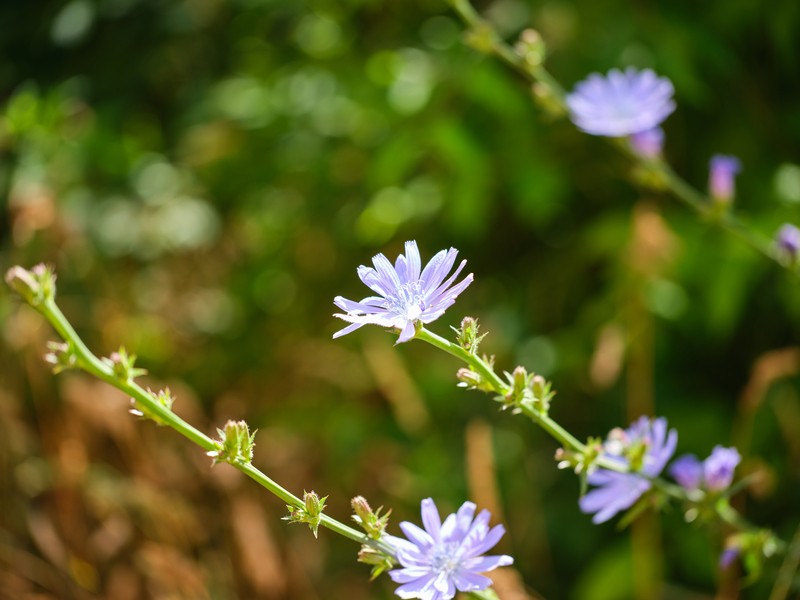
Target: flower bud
{"points": [[62, 356], [35, 286], [531, 47], [377, 559], [467, 335], [164, 399], [235, 443], [787, 243], [542, 393], [122, 364], [721, 178], [370, 521], [310, 513], [648, 143]]}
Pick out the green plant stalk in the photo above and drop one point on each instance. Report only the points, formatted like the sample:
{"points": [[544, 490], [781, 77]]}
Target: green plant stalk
{"points": [[724, 511], [700, 203], [502, 388], [88, 362]]}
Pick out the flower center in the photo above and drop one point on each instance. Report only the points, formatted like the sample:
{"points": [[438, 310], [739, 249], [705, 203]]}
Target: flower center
{"points": [[445, 558], [407, 301]]}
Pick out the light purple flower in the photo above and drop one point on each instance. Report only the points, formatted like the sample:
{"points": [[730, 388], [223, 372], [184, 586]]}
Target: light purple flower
{"points": [[649, 143], [728, 556], [619, 491], [621, 104], [446, 557], [722, 173], [687, 470], [719, 467], [714, 474], [407, 294], [787, 241]]}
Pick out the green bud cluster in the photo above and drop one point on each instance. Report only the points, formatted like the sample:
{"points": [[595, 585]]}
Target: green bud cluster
{"points": [[377, 559], [527, 390], [62, 356], [35, 286], [235, 444], [467, 335], [582, 462], [471, 380], [531, 48], [310, 513], [163, 398], [370, 521], [122, 364]]}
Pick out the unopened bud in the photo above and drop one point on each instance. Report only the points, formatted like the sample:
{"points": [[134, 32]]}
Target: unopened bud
{"points": [[163, 398], [235, 443], [370, 521], [722, 178], [35, 286], [62, 356], [311, 513], [471, 380], [377, 559], [467, 335], [787, 244], [123, 365], [531, 47]]}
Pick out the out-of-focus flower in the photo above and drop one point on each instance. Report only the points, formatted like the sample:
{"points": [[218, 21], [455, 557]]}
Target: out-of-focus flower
{"points": [[722, 173], [407, 294], [787, 241], [728, 556], [687, 470], [446, 557], [714, 474], [645, 447], [649, 143], [621, 103], [719, 467]]}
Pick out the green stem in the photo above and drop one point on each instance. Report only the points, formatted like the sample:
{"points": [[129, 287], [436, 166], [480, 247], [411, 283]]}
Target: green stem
{"points": [[724, 510], [94, 366], [478, 364], [502, 388]]}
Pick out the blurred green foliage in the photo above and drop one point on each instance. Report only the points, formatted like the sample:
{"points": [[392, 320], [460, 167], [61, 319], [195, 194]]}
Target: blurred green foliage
{"points": [[207, 174]]}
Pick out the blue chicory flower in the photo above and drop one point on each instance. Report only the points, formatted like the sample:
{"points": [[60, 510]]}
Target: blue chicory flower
{"points": [[687, 470], [728, 556], [617, 491], [787, 241], [621, 103], [407, 294], [719, 467], [714, 474], [722, 173], [446, 557]]}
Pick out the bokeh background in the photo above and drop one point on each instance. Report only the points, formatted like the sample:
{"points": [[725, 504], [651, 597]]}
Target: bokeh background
{"points": [[206, 175]]}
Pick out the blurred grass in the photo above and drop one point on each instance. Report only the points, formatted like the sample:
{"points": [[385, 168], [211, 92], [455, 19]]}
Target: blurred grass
{"points": [[207, 174]]}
